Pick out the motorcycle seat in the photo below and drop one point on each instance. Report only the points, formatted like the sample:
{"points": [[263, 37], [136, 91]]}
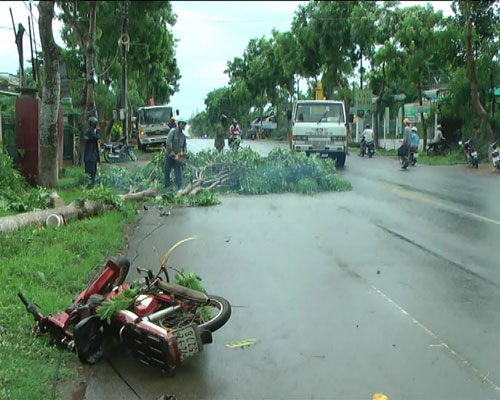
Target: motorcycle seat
{"points": [[182, 291], [112, 145]]}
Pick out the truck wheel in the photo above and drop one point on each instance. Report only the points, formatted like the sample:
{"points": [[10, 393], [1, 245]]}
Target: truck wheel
{"points": [[340, 160]]}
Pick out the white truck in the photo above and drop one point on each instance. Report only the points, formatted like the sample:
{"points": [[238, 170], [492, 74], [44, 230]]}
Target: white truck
{"points": [[153, 125], [319, 126]]}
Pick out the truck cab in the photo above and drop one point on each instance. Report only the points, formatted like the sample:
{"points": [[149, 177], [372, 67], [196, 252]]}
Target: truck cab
{"points": [[152, 125], [319, 126]]}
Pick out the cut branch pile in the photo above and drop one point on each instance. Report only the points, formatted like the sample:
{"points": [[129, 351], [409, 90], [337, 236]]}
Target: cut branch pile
{"points": [[223, 177]]}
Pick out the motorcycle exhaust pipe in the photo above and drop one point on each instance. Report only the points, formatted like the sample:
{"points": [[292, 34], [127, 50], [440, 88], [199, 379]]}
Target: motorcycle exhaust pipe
{"points": [[161, 314]]}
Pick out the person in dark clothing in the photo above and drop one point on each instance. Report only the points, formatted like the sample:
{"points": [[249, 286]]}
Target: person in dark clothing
{"points": [[91, 154], [175, 150]]}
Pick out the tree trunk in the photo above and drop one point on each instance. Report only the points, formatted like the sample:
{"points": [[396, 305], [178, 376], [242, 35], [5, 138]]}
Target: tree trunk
{"points": [[76, 210], [48, 145], [377, 104], [476, 103], [89, 58], [419, 85], [492, 96], [361, 70]]}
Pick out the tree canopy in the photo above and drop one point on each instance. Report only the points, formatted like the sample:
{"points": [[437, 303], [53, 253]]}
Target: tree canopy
{"points": [[381, 46]]}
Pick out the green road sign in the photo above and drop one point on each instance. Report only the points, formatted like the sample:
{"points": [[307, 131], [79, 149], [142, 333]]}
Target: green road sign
{"points": [[363, 100]]}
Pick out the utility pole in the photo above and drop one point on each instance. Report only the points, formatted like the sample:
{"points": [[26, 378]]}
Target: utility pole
{"points": [[124, 40], [19, 43], [37, 65], [33, 69]]}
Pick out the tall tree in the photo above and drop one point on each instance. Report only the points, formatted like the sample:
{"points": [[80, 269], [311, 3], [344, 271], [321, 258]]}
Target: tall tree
{"points": [[476, 14], [417, 37], [81, 19], [48, 146]]}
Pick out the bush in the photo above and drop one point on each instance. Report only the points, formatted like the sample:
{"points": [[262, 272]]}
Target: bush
{"points": [[15, 194]]}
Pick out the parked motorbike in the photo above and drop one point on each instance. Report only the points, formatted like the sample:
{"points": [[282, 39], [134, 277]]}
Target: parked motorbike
{"points": [[413, 156], [113, 152], [438, 148], [367, 148], [495, 155], [234, 141], [166, 323], [470, 153]]}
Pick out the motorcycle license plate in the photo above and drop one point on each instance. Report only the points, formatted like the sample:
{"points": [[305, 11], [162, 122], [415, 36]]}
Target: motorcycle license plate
{"points": [[474, 154], [415, 155], [188, 341]]}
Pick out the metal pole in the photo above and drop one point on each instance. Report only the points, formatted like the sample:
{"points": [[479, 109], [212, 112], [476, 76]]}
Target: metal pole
{"points": [[33, 69], [124, 70], [37, 66]]}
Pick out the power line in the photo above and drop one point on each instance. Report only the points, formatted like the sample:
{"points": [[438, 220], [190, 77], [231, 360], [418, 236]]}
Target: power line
{"points": [[31, 13]]}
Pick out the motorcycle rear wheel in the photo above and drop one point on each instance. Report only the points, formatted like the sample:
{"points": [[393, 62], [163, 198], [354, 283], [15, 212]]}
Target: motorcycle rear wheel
{"points": [[132, 155], [220, 311]]}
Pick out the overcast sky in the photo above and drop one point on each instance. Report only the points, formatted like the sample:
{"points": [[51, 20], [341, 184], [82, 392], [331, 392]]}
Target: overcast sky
{"points": [[209, 33]]}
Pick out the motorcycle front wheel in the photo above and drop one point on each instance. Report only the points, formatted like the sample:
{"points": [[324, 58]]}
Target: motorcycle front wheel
{"points": [[131, 154], [446, 151], [215, 314]]}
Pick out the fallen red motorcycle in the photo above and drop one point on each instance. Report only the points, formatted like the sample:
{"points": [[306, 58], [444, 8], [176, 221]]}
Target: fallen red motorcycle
{"points": [[164, 323]]}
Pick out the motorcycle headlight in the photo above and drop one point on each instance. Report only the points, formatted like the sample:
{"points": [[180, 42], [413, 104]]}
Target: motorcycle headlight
{"points": [[142, 132]]}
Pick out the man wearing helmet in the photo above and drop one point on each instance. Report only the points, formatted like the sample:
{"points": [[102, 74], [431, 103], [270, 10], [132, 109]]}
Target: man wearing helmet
{"points": [[91, 152], [220, 133], [175, 150]]}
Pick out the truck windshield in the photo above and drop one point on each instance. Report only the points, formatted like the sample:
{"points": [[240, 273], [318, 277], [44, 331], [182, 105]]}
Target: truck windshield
{"points": [[154, 116], [319, 111]]}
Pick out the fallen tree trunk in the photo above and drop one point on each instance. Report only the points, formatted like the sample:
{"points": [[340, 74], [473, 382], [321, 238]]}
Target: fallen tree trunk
{"points": [[75, 210]]}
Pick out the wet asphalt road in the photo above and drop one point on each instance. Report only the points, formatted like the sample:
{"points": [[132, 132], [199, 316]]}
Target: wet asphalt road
{"points": [[393, 287]]}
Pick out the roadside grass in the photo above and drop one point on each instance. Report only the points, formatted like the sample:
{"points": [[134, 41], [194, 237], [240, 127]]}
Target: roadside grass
{"points": [[50, 266]]}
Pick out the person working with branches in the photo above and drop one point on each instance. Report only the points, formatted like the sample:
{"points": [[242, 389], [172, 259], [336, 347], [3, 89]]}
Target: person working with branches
{"points": [[175, 152], [220, 133]]}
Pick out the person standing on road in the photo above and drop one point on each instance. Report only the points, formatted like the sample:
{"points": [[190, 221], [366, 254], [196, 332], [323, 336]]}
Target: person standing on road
{"points": [[91, 152], [220, 133], [175, 150], [404, 150]]}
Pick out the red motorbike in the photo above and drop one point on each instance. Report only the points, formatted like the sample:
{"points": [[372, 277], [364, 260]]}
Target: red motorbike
{"points": [[165, 324]]}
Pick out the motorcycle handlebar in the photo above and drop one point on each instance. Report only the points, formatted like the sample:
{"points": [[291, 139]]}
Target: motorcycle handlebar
{"points": [[23, 299]]}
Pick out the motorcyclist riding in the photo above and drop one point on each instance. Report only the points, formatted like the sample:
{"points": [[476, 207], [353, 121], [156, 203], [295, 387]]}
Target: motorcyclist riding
{"points": [[404, 150], [414, 140], [366, 138], [233, 131]]}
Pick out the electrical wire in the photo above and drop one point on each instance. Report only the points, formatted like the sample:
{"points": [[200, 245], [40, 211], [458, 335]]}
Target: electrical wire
{"points": [[110, 64], [31, 12]]}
